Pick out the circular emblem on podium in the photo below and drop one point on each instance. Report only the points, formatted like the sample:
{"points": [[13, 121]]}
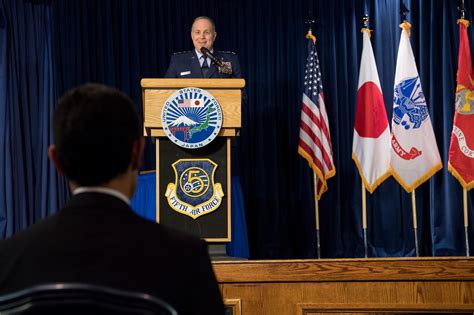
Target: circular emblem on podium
{"points": [[191, 118]]}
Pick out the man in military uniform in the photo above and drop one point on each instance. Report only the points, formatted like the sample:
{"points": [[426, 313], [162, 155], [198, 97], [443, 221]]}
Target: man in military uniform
{"points": [[193, 64]]}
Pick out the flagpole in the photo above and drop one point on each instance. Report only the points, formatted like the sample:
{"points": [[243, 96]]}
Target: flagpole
{"points": [[406, 26], [466, 222], [462, 9], [316, 207], [464, 190], [415, 225], [373, 167], [308, 151], [365, 20], [364, 219]]}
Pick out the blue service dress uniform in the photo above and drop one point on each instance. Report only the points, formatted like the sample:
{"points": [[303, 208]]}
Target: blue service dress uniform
{"points": [[186, 65]]}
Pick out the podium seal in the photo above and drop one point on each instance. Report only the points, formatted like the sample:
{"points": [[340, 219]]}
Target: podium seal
{"points": [[191, 118]]}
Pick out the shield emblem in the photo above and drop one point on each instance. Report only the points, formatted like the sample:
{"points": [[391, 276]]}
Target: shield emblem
{"points": [[195, 179], [194, 192]]}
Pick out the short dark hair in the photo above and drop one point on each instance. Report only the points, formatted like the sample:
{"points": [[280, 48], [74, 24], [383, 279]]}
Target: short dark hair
{"points": [[95, 127], [203, 17]]}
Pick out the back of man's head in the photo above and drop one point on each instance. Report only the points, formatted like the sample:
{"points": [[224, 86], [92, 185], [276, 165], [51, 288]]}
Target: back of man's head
{"points": [[95, 128]]}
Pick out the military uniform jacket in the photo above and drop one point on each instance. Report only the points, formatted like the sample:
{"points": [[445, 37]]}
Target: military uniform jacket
{"points": [[186, 65]]}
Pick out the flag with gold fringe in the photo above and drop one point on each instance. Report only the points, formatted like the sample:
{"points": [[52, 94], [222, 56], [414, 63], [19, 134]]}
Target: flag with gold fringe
{"points": [[315, 140], [371, 140], [461, 149], [414, 155]]}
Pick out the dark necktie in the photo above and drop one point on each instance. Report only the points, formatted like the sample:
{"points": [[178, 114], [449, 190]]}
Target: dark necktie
{"points": [[204, 68]]}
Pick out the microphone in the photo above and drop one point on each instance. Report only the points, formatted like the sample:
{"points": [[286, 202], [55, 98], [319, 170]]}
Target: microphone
{"points": [[206, 52]]}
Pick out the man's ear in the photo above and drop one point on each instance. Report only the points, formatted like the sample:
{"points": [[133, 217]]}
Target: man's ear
{"points": [[53, 156], [137, 153]]}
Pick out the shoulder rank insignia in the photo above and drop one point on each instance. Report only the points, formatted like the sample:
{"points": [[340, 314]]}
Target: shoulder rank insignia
{"points": [[228, 52], [181, 52]]}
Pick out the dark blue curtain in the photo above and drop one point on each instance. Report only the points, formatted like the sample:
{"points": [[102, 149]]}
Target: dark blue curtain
{"points": [[49, 46], [30, 188]]}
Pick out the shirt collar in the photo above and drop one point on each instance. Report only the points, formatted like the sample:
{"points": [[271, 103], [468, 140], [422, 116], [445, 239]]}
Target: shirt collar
{"points": [[199, 55], [102, 190]]}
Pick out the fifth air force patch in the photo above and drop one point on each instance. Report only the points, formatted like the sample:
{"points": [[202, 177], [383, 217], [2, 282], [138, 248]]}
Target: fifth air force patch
{"points": [[194, 192]]}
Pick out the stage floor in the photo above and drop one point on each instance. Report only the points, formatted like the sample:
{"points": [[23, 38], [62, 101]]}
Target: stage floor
{"points": [[347, 286]]}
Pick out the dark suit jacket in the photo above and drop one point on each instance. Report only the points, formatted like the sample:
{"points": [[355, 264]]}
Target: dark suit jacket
{"points": [[96, 238], [186, 65]]}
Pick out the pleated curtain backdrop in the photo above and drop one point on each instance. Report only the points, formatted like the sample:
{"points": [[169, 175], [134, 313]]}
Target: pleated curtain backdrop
{"points": [[50, 46], [30, 187]]}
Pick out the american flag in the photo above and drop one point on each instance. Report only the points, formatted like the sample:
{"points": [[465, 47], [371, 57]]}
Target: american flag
{"points": [[315, 140], [184, 103], [193, 102]]}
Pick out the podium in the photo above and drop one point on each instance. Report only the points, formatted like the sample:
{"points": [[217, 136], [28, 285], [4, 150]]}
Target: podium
{"points": [[192, 170]]}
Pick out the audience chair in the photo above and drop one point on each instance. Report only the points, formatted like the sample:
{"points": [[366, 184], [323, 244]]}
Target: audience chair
{"points": [[79, 298]]}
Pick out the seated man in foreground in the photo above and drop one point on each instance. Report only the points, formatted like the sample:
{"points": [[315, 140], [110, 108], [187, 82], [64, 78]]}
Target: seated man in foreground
{"points": [[96, 238]]}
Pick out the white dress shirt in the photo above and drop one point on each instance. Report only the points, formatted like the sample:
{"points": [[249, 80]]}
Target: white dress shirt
{"points": [[201, 58], [102, 190]]}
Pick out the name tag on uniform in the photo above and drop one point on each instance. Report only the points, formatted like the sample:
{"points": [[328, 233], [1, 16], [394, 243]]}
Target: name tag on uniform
{"points": [[185, 73]]}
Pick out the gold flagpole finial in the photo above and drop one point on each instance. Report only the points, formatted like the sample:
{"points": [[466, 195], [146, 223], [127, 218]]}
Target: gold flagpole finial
{"points": [[462, 10], [365, 27], [310, 21], [403, 16], [310, 35], [462, 18], [406, 26]]}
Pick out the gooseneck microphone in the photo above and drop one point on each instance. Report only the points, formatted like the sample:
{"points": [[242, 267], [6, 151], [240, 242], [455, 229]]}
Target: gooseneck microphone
{"points": [[206, 52]]}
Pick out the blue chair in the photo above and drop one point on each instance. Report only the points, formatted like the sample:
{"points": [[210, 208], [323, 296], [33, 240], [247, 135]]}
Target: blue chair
{"points": [[79, 298]]}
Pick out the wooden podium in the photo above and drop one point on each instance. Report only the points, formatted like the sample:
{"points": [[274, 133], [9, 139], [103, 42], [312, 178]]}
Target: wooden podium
{"points": [[214, 226]]}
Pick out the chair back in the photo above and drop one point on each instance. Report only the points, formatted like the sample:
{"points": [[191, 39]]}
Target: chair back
{"points": [[80, 298]]}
